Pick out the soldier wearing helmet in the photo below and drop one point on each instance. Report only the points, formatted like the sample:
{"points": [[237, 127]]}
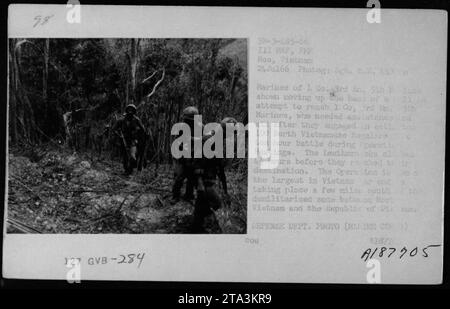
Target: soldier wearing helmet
{"points": [[131, 133], [206, 172], [189, 113], [226, 120], [225, 161], [184, 166]]}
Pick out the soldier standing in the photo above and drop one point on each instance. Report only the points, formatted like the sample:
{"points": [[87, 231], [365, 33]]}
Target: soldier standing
{"points": [[184, 166], [206, 172], [131, 132], [208, 200], [224, 162]]}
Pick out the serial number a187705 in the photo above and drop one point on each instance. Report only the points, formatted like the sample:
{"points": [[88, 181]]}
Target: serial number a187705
{"points": [[400, 253]]}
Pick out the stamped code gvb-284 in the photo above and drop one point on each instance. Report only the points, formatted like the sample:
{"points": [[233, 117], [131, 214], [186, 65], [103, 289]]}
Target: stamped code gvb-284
{"points": [[130, 258]]}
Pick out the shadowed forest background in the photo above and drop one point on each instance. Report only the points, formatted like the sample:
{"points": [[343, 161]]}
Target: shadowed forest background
{"points": [[65, 95]]}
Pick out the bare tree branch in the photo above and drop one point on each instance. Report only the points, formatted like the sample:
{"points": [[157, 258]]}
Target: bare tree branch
{"points": [[145, 80], [157, 84], [154, 87]]}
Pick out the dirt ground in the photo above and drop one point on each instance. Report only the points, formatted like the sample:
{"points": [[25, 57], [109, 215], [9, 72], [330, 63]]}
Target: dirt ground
{"points": [[56, 191]]}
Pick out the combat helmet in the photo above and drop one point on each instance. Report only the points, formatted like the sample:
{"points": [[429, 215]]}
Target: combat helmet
{"points": [[131, 108], [226, 120], [189, 113]]}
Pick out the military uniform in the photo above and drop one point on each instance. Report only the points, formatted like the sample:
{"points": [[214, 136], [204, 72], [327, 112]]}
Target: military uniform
{"points": [[184, 167], [132, 132], [183, 170], [207, 171], [208, 199]]}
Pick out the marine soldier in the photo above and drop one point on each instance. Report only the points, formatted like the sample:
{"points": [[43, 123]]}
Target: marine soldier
{"points": [[206, 172], [225, 161], [131, 133], [184, 166]]}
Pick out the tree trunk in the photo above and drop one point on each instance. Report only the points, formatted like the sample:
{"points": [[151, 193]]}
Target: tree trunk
{"points": [[230, 104], [27, 108], [45, 81], [134, 61], [45, 71], [127, 95], [12, 92]]}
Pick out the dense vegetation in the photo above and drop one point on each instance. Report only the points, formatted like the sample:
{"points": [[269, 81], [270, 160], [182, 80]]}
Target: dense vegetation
{"points": [[65, 95], [60, 87]]}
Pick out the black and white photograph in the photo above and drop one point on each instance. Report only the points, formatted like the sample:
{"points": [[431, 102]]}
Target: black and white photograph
{"points": [[225, 144], [89, 145]]}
